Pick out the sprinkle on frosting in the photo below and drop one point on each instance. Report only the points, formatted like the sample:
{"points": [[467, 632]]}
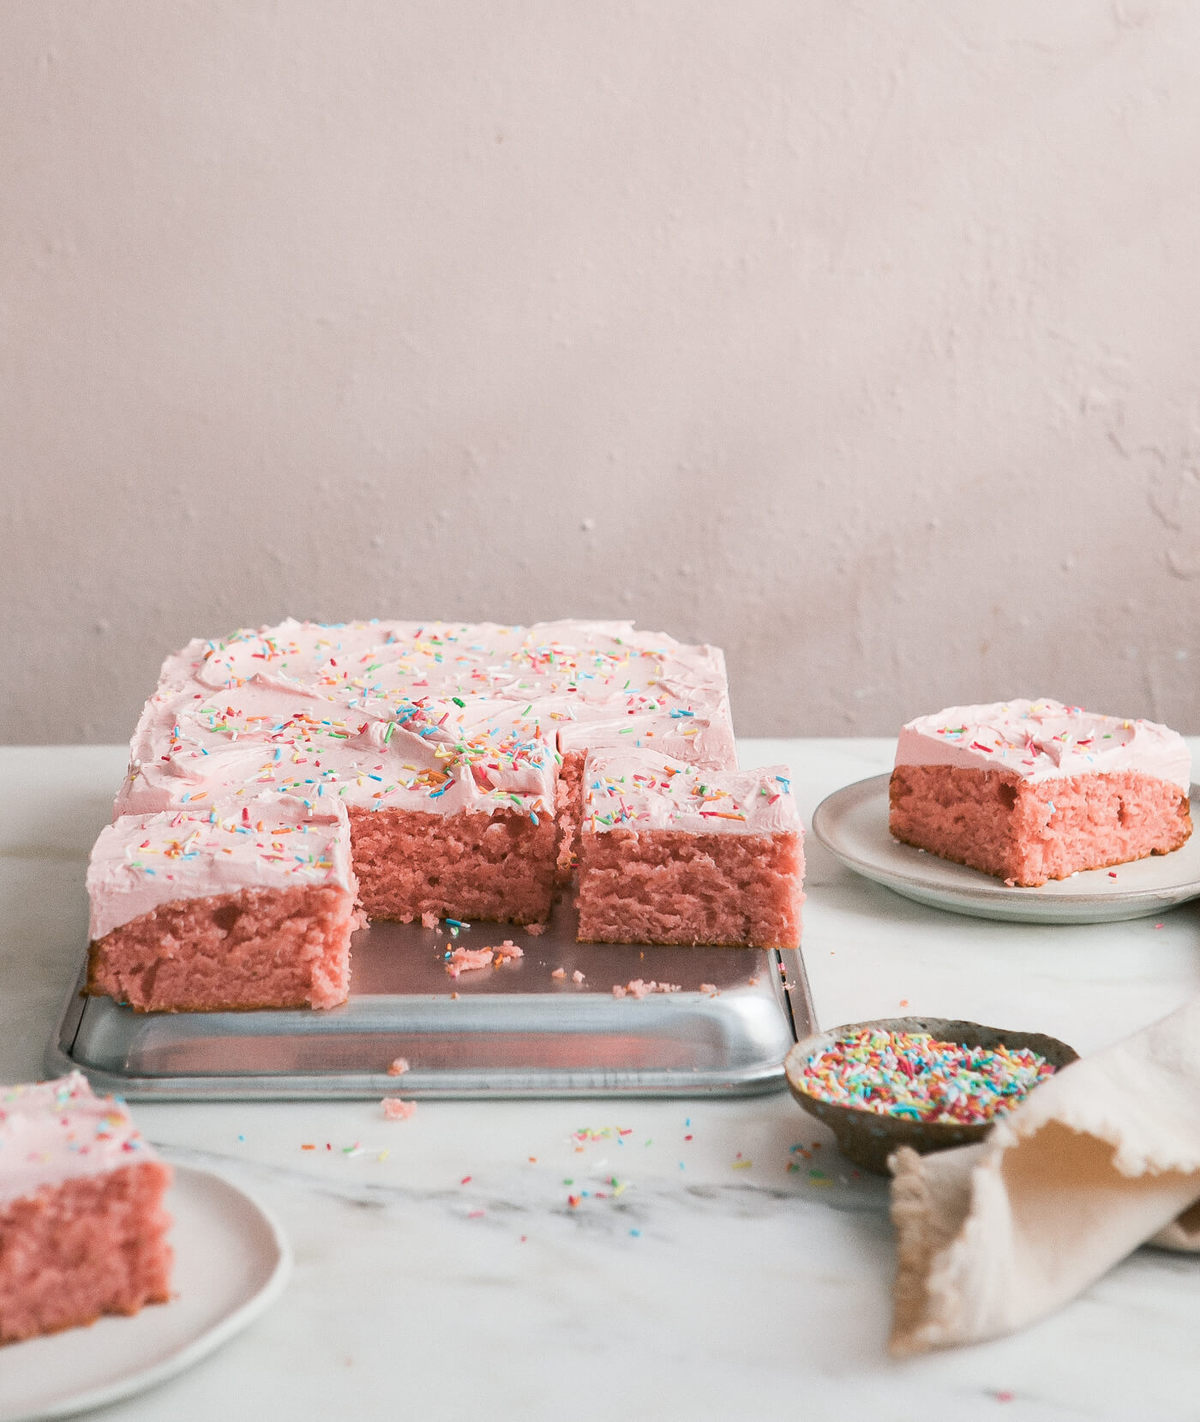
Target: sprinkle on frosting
{"points": [[1042, 740], [433, 716], [53, 1130], [143, 861], [643, 792]]}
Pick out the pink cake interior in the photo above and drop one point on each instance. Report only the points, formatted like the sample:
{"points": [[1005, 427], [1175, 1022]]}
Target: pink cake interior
{"points": [[88, 1246], [569, 812], [497, 866], [254, 948], [669, 886], [1027, 832]]}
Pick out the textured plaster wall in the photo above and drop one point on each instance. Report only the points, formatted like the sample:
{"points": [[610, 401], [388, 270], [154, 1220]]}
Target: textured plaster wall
{"points": [[862, 339]]}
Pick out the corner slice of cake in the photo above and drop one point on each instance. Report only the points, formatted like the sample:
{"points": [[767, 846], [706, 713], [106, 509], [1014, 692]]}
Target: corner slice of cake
{"points": [[674, 853], [1034, 790], [83, 1225], [248, 904]]}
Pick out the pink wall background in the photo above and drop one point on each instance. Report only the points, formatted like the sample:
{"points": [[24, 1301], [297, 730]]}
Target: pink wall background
{"points": [[862, 339]]}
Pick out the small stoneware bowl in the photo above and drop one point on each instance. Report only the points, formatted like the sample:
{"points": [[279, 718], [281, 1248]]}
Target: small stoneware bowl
{"points": [[867, 1138]]}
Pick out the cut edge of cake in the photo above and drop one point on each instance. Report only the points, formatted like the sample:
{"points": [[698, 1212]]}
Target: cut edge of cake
{"points": [[676, 854]]}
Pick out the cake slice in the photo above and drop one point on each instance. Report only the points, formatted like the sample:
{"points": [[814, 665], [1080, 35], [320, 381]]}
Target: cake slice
{"points": [[83, 1228], [1034, 790], [673, 853], [248, 904]]}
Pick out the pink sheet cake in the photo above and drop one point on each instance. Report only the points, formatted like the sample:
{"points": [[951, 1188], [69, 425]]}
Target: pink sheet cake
{"points": [[250, 903], [1034, 790], [442, 741], [671, 853], [83, 1228], [453, 752]]}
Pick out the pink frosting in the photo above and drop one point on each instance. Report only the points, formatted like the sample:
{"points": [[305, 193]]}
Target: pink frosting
{"points": [[650, 792], [143, 861], [1044, 740], [431, 716], [58, 1130]]}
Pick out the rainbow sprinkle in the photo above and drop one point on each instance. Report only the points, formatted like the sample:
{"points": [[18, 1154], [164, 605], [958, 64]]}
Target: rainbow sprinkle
{"points": [[914, 1076]]}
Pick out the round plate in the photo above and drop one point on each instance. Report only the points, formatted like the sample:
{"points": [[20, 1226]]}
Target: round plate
{"points": [[852, 824], [231, 1262]]}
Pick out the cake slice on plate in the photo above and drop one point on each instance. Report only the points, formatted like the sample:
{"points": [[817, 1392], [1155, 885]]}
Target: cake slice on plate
{"points": [[83, 1227], [1035, 790]]}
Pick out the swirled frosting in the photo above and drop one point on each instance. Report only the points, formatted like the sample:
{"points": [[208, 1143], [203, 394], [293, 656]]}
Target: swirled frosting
{"points": [[53, 1131], [1044, 740], [655, 792], [433, 716]]}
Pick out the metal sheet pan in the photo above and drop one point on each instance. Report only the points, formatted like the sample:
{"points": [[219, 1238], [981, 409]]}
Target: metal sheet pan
{"points": [[512, 1030]]}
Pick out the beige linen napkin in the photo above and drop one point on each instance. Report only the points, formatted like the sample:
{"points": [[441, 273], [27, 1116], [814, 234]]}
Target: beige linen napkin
{"points": [[1102, 1157]]}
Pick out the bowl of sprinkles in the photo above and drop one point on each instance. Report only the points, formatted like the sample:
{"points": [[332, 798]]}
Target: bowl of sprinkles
{"points": [[923, 1082]]}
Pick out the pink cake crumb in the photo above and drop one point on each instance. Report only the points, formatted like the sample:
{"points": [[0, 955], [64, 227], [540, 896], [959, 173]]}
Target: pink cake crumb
{"points": [[559, 974], [398, 1067], [429, 919], [709, 988], [396, 1109], [640, 988], [577, 976], [468, 960]]}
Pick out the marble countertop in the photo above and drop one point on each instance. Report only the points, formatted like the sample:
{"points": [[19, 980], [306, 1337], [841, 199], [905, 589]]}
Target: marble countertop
{"points": [[599, 1258]]}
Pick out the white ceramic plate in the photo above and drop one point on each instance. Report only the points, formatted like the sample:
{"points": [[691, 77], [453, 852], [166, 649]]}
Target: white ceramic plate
{"points": [[852, 823], [231, 1262]]}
